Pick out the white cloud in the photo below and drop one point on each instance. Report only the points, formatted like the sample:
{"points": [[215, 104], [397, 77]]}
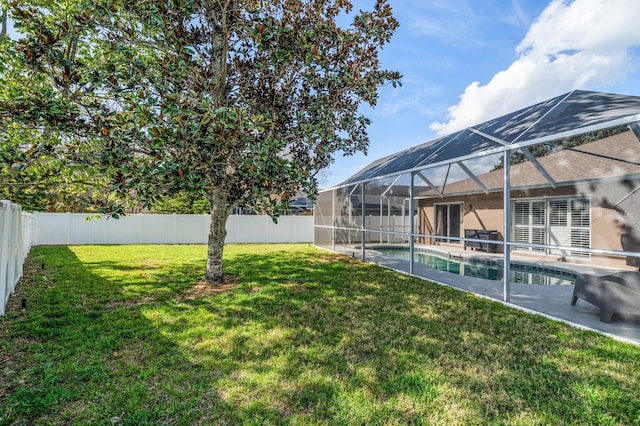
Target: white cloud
{"points": [[520, 14], [396, 100], [443, 22], [453, 22], [580, 44], [391, 108]]}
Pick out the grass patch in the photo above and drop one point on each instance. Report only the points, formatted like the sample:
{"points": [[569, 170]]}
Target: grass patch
{"points": [[125, 335]]}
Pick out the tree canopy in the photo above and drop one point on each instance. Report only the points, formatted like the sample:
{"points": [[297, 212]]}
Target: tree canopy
{"points": [[240, 101]]}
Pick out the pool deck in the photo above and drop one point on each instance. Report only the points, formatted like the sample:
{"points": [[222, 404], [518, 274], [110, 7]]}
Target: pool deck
{"points": [[552, 301]]}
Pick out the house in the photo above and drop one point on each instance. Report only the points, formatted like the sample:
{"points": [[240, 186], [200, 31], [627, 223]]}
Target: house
{"points": [[591, 205], [570, 190]]}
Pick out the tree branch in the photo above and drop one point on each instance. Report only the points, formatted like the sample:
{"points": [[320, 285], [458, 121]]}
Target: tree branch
{"points": [[48, 183], [4, 23]]}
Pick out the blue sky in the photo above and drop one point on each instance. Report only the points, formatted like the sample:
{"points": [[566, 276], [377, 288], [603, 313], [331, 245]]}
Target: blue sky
{"points": [[466, 61]]}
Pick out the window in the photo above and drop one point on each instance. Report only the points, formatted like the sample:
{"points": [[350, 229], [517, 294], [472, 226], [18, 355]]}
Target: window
{"points": [[530, 224], [580, 226], [559, 231], [522, 220], [556, 221]]}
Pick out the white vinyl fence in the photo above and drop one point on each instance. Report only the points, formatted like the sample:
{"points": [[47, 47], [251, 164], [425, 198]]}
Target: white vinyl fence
{"points": [[15, 242], [75, 229], [19, 231]]}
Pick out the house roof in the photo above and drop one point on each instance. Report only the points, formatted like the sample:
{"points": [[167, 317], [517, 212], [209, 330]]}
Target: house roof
{"points": [[610, 157], [563, 116]]}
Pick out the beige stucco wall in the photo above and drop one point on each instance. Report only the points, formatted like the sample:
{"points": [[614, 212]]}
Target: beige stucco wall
{"points": [[484, 211]]}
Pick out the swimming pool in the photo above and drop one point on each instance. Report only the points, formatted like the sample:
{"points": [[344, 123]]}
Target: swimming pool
{"points": [[488, 269]]}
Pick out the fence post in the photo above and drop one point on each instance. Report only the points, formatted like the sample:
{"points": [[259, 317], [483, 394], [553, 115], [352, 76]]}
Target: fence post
{"points": [[4, 293], [14, 247], [5, 208], [20, 257], [15, 242]]}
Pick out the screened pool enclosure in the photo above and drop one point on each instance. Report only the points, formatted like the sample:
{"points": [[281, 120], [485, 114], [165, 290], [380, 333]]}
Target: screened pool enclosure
{"points": [[557, 182]]}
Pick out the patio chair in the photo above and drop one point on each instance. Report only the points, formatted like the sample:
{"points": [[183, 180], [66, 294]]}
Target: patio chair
{"points": [[630, 243], [615, 294]]}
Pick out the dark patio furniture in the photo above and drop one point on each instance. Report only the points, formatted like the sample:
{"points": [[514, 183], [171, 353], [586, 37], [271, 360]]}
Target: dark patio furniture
{"points": [[615, 294], [481, 234], [630, 243]]}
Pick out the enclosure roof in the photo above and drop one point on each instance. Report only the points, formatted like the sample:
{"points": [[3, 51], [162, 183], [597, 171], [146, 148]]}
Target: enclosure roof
{"points": [[612, 157], [566, 115]]}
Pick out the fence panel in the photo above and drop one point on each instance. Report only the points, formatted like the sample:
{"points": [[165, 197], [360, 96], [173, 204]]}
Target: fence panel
{"points": [[75, 229], [125, 230], [15, 242]]}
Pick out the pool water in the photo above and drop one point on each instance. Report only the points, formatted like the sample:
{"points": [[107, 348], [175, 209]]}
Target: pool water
{"points": [[520, 273]]}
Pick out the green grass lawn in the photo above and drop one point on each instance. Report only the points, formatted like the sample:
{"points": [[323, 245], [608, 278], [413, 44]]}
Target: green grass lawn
{"points": [[123, 334]]}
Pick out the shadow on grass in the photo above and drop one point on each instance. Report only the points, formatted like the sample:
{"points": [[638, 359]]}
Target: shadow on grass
{"points": [[305, 337], [83, 353], [360, 341]]}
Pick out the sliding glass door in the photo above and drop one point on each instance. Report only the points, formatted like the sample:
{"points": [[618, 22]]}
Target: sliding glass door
{"points": [[448, 220]]}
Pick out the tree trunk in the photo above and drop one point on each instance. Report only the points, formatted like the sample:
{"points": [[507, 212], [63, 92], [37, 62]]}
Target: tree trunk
{"points": [[217, 233]]}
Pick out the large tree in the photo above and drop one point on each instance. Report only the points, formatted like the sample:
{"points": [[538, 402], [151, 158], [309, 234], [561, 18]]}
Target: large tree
{"points": [[242, 101], [34, 170]]}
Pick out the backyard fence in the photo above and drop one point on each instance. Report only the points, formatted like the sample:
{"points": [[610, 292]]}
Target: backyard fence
{"points": [[15, 242], [75, 229], [19, 231]]}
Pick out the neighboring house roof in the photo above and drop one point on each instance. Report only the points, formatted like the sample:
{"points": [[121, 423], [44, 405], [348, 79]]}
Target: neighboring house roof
{"points": [[614, 156], [573, 113], [301, 203]]}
